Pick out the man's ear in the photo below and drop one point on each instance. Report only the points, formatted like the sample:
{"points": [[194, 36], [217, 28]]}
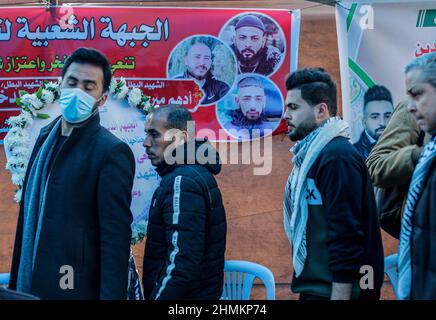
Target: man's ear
{"points": [[363, 121], [185, 136], [102, 100], [237, 100], [321, 112], [180, 138]]}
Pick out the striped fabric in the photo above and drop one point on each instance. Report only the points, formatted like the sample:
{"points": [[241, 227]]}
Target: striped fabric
{"points": [[295, 205], [174, 237], [415, 190]]}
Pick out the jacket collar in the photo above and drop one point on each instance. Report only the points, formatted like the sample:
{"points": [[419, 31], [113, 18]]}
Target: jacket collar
{"points": [[364, 140], [89, 127], [209, 152]]}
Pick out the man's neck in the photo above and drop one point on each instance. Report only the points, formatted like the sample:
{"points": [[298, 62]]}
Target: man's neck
{"points": [[200, 82], [67, 127]]}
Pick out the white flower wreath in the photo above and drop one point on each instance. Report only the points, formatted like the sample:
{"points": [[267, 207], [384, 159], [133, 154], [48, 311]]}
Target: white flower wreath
{"points": [[31, 106]]}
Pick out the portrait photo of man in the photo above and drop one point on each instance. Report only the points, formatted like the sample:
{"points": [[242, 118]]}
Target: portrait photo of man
{"points": [[197, 65], [253, 46], [377, 110], [248, 117]]}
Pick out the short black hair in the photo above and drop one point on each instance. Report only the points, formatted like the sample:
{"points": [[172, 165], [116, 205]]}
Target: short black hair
{"points": [[93, 57], [177, 117], [377, 93], [316, 87]]}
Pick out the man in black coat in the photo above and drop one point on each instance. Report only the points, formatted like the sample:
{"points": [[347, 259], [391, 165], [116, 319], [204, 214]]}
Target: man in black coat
{"points": [[416, 250], [186, 234], [330, 215], [73, 233]]}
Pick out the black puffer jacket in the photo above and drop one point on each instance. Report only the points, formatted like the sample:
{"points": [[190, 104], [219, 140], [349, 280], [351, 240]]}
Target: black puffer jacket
{"points": [[186, 234]]}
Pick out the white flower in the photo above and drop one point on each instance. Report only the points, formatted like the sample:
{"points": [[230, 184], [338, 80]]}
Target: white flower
{"points": [[112, 86], [17, 138], [14, 162], [52, 86], [32, 102], [134, 97], [26, 117], [139, 232], [123, 91], [47, 96], [20, 150], [17, 179], [14, 121], [17, 135], [17, 197]]}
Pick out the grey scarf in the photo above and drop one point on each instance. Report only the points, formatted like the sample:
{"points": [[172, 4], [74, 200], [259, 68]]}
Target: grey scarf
{"points": [[34, 200]]}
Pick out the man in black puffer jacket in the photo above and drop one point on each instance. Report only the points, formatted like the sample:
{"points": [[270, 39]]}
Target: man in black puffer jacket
{"points": [[186, 234]]}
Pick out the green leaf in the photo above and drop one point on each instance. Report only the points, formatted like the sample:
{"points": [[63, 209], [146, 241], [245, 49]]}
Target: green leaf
{"points": [[42, 115], [18, 102], [22, 92], [39, 93]]}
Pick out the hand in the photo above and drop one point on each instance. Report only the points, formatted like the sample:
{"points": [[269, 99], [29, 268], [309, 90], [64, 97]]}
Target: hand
{"points": [[341, 291]]}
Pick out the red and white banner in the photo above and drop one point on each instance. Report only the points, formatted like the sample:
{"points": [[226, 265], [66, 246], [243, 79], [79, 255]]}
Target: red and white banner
{"points": [[149, 47]]}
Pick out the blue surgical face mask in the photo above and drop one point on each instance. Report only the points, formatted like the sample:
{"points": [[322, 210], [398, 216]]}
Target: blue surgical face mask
{"points": [[76, 105]]}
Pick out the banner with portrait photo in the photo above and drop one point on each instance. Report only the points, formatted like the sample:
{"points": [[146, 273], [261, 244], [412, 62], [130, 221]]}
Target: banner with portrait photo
{"points": [[150, 47], [195, 57], [376, 41]]}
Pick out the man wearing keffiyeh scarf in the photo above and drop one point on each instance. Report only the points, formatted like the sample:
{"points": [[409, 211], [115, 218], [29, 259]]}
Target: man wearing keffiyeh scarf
{"points": [[416, 251], [330, 214]]}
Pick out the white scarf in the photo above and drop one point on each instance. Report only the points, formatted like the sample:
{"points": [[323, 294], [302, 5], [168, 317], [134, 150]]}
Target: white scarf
{"points": [[295, 209]]}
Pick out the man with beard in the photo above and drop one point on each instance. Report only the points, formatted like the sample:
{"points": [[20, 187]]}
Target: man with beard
{"points": [[250, 47], [198, 62], [250, 114], [330, 215], [377, 111]]}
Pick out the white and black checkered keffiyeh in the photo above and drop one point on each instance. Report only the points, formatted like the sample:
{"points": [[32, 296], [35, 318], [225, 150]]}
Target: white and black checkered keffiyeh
{"points": [[295, 206]]}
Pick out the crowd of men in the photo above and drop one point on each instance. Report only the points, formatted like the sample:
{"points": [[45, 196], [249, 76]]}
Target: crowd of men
{"points": [[75, 208]]}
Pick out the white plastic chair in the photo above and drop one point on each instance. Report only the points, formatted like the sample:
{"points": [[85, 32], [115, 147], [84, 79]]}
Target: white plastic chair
{"points": [[239, 278], [4, 279]]}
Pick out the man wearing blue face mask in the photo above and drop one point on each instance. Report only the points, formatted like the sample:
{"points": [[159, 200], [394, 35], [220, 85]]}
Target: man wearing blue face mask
{"points": [[73, 233]]}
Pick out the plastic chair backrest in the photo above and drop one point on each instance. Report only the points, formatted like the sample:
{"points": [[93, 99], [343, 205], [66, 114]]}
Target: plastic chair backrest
{"points": [[4, 279], [391, 271], [239, 278]]}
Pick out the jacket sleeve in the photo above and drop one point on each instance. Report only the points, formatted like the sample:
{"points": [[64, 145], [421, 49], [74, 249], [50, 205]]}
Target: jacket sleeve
{"points": [[339, 180], [390, 162], [184, 212], [114, 199]]}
